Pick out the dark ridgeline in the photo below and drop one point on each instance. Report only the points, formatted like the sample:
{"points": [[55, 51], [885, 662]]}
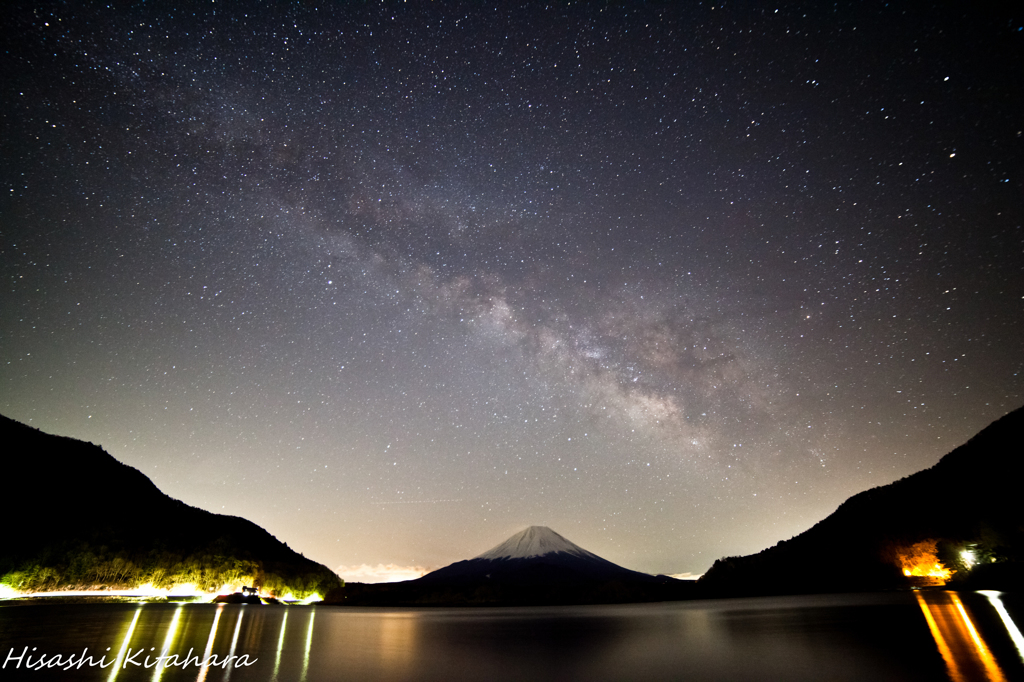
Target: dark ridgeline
{"points": [[534, 567], [84, 519], [970, 499], [76, 517]]}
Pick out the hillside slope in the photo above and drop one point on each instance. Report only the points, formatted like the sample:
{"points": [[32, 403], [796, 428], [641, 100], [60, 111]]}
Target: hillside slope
{"points": [[89, 520], [966, 510]]}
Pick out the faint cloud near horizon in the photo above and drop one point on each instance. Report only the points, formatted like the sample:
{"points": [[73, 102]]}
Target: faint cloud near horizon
{"points": [[381, 573]]}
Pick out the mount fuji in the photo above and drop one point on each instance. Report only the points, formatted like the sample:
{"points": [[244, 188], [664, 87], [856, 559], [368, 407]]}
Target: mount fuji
{"points": [[536, 566], [536, 555]]}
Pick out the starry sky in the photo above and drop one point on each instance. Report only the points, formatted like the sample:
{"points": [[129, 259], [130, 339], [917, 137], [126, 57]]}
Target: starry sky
{"points": [[395, 280]]}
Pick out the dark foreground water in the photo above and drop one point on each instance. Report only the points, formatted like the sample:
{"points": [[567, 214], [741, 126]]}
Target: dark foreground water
{"points": [[894, 636]]}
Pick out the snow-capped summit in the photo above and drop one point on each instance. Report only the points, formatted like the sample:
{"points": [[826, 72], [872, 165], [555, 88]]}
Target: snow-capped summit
{"points": [[534, 541], [535, 556], [534, 566]]}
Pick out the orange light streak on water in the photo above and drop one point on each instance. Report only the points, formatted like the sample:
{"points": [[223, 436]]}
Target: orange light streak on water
{"points": [[965, 653], [987, 659], [940, 641]]}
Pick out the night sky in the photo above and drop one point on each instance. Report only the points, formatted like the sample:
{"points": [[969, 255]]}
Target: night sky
{"points": [[397, 280]]}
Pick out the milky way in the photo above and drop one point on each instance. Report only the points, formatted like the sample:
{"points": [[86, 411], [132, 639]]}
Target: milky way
{"points": [[397, 280]]}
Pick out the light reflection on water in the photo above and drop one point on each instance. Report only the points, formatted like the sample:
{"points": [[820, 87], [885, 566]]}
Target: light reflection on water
{"points": [[280, 647], [168, 646], [209, 643], [965, 653], [894, 636], [124, 646], [309, 646], [1011, 628]]}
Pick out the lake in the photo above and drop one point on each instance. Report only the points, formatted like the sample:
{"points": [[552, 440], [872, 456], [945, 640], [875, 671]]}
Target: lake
{"points": [[887, 636]]}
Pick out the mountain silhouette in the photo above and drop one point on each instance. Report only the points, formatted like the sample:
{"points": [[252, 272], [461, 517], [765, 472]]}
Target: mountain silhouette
{"points": [[85, 520], [536, 566], [966, 509], [534, 556]]}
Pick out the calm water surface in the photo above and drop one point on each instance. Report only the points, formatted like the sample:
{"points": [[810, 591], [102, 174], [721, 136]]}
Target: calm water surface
{"points": [[893, 636]]}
